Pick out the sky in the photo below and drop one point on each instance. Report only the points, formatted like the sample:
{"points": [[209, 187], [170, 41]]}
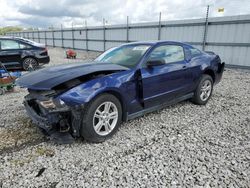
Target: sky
{"points": [[47, 13]]}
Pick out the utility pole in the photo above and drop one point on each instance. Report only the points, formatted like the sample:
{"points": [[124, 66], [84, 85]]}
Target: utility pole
{"points": [[104, 37], [159, 30], [205, 30], [127, 29], [62, 35], [86, 32], [73, 36]]}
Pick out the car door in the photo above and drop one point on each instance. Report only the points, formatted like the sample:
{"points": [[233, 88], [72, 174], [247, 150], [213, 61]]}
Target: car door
{"points": [[10, 53], [167, 81]]}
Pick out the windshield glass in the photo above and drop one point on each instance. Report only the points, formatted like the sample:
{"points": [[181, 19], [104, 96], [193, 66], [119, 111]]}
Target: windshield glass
{"points": [[128, 55]]}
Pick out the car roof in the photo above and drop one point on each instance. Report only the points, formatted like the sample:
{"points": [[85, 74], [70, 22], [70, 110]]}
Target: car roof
{"points": [[11, 37], [158, 42]]}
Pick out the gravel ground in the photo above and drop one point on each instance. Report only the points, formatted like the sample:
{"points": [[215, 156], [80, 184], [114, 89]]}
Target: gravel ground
{"points": [[183, 145]]}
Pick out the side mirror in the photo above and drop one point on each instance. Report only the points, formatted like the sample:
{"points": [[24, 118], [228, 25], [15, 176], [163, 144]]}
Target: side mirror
{"points": [[156, 62]]}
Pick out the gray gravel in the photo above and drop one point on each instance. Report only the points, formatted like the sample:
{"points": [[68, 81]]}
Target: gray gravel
{"points": [[184, 145]]}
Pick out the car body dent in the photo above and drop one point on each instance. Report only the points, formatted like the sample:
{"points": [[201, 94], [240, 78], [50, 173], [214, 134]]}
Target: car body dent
{"points": [[85, 92], [48, 78]]}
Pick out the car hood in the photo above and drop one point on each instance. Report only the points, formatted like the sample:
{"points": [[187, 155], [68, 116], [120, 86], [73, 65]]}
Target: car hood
{"points": [[47, 78]]}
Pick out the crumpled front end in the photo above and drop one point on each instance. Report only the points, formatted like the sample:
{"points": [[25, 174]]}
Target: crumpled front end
{"points": [[59, 121]]}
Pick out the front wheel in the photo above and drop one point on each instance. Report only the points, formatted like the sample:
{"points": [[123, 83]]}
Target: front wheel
{"points": [[102, 118], [204, 90]]}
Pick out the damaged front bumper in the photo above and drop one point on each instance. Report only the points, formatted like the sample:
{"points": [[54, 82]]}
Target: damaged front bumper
{"points": [[61, 124]]}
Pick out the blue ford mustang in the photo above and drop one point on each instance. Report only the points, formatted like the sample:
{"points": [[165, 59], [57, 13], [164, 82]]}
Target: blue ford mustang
{"points": [[91, 99]]}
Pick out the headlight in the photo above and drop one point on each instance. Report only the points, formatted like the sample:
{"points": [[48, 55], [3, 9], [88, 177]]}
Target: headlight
{"points": [[52, 103], [48, 104]]}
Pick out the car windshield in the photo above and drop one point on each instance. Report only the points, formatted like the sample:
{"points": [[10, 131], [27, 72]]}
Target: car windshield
{"points": [[128, 55]]}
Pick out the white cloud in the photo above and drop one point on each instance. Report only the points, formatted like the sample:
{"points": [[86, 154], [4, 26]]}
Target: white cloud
{"points": [[44, 13]]}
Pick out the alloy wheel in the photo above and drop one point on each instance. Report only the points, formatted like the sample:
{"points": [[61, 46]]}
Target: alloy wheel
{"points": [[105, 118], [206, 90]]}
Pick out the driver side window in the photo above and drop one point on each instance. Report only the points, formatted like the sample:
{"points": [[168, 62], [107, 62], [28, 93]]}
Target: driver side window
{"points": [[168, 53]]}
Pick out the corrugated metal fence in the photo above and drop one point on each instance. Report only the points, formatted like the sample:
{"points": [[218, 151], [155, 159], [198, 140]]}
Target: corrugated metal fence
{"points": [[227, 36]]}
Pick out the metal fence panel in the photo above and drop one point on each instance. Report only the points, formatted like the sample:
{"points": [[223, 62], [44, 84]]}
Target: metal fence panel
{"points": [[80, 34], [80, 45], [58, 43], [68, 43], [95, 46], [49, 34], [67, 34], [227, 36], [137, 34], [58, 34], [95, 34], [116, 34]]}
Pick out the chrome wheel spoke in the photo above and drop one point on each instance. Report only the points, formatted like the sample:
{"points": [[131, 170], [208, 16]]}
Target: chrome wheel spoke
{"points": [[105, 118], [107, 126], [107, 107], [99, 125], [113, 115], [206, 89]]}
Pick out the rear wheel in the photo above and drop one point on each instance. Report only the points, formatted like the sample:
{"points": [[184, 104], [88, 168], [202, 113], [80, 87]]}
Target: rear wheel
{"points": [[30, 64], [102, 118], [204, 90]]}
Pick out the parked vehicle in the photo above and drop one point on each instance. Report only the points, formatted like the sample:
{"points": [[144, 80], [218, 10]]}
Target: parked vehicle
{"points": [[92, 99], [19, 53]]}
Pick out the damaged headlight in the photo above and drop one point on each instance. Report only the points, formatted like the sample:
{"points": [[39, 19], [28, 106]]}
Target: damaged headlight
{"points": [[52, 103]]}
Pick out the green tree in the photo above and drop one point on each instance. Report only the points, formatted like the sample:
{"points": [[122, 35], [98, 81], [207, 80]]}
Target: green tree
{"points": [[4, 30]]}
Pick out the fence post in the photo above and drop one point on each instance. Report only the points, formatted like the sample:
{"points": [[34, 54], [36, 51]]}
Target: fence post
{"points": [[86, 32], [45, 37], [205, 30], [104, 37], [127, 29], [53, 36], [33, 35], [38, 35], [73, 36], [62, 36], [159, 29]]}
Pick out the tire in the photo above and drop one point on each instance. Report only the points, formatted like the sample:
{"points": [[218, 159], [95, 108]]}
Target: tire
{"points": [[2, 91], [94, 123], [30, 64], [204, 90]]}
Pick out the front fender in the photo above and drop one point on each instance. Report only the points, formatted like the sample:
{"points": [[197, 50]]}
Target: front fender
{"points": [[84, 92]]}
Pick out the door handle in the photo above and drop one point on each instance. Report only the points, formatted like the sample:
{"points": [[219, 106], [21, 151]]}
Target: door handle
{"points": [[184, 66]]}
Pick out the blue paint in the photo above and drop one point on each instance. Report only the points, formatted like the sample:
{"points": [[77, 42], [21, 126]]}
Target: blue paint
{"points": [[158, 84]]}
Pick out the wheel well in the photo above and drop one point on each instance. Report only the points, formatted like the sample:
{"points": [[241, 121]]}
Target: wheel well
{"points": [[119, 97], [210, 73]]}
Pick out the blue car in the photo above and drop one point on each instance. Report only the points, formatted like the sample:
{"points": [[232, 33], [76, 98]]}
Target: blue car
{"points": [[91, 99]]}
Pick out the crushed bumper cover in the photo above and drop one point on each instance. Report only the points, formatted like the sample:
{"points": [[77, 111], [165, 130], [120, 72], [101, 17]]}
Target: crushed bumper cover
{"points": [[51, 122]]}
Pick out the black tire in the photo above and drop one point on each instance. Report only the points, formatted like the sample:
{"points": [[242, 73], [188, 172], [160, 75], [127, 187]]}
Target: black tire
{"points": [[2, 91], [87, 128], [197, 99], [30, 64]]}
